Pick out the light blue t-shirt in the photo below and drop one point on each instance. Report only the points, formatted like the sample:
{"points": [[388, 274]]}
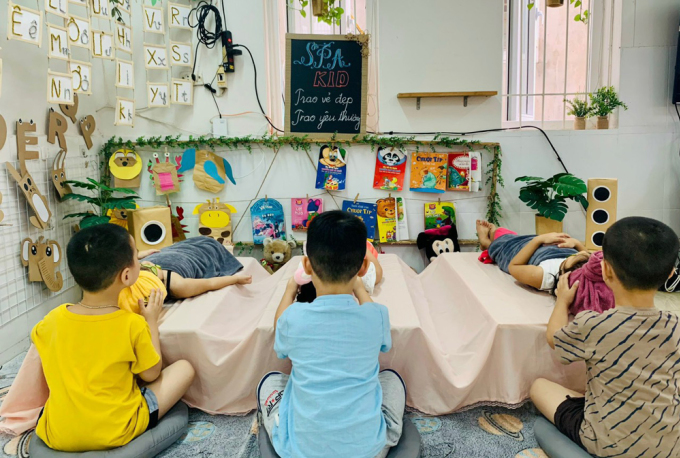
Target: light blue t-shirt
{"points": [[331, 406]]}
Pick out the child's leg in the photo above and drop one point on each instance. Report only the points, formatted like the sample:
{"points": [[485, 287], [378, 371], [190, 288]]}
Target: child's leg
{"points": [[394, 402], [547, 397], [378, 267], [183, 288], [483, 234], [171, 385]]}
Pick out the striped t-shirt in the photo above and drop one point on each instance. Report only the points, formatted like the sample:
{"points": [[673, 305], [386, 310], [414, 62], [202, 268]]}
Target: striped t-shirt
{"points": [[632, 401]]}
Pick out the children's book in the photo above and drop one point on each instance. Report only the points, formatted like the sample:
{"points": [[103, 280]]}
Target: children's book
{"points": [[459, 172], [390, 169], [303, 211], [268, 221], [331, 173], [439, 214], [428, 172], [402, 221], [387, 219], [365, 211]]}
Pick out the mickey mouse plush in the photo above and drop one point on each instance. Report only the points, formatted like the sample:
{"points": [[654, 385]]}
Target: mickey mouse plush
{"points": [[439, 241]]}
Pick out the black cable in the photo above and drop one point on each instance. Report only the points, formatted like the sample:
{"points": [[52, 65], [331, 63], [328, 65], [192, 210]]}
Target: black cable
{"points": [[205, 36], [216, 105], [676, 110], [257, 94]]}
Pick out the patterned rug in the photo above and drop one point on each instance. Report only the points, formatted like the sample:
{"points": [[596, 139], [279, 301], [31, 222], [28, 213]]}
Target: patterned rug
{"points": [[482, 432]]}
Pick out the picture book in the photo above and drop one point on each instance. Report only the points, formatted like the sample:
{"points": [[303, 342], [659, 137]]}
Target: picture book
{"points": [[459, 172], [268, 221], [428, 172], [387, 219], [439, 214], [366, 212], [402, 221], [331, 173], [303, 211], [390, 169]]}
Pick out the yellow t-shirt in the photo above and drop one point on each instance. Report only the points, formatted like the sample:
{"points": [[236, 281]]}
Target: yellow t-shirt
{"points": [[90, 362], [128, 299]]}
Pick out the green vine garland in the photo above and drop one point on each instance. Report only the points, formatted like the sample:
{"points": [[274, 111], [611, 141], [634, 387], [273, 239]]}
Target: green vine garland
{"points": [[494, 208]]}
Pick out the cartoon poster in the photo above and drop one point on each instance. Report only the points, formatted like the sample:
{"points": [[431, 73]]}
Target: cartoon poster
{"points": [[331, 173], [365, 212], [439, 214], [268, 221], [303, 211], [390, 169], [459, 172], [402, 221], [387, 219], [428, 172]]}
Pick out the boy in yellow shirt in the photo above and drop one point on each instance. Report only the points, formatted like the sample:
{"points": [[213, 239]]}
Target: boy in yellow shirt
{"points": [[92, 352]]}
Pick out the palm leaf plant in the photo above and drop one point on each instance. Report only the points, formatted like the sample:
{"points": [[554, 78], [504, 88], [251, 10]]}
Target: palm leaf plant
{"points": [[102, 201], [549, 196]]}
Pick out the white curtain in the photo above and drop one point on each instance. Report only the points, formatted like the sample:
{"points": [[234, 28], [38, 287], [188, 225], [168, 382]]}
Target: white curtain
{"points": [[275, 29], [372, 25]]}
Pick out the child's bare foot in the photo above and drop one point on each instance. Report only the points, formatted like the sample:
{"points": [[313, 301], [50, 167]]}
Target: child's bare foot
{"points": [[482, 229]]}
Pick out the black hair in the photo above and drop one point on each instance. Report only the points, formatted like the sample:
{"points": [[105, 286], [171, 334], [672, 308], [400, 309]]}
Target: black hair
{"points": [[336, 246], [642, 252], [572, 268], [97, 254], [306, 293]]}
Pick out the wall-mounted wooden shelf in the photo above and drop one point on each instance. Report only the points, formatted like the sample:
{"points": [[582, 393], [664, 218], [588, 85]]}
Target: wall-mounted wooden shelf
{"points": [[465, 95]]}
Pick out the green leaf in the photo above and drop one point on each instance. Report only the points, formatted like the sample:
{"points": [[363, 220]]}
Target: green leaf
{"points": [[81, 198], [581, 200], [303, 13], [570, 186], [113, 204], [528, 179], [555, 210], [577, 18], [534, 198], [78, 215], [94, 221], [530, 6], [81, 184], [586, 13], [126, 191], [577, 4]]}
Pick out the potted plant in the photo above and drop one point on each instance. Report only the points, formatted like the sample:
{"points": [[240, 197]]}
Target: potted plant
{"points": [[549, 198], [325, 10], [603, 103], [580, 109], [102, 201], [555, 3]]}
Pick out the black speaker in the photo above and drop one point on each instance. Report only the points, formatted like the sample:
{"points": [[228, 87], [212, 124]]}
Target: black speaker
{"points": [[676, 87]]}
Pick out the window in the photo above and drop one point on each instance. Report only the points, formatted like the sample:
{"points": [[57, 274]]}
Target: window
{"points": [[549, 56], [353, 20]]}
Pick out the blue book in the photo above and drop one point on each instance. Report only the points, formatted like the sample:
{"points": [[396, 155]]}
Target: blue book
{"points": [[268, 221], [365, 212]]}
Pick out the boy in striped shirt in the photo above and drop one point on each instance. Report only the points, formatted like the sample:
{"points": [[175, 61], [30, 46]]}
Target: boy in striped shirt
{"points": [[631, 406]]}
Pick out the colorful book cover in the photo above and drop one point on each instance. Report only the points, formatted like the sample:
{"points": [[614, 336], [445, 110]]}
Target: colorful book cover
{"points": [[268, 221], [428, 172], [365, 212], [303, 211], [459, 172], [331, 172], [402, 221], [387, 219], [390, 169], [439, 214]]}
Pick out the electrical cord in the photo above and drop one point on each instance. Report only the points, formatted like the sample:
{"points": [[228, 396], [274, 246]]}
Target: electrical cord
{"points": [[206, 37]]}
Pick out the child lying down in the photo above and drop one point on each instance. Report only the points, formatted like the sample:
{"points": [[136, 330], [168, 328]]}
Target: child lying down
{"points": [[539, 261], [186, 269]]}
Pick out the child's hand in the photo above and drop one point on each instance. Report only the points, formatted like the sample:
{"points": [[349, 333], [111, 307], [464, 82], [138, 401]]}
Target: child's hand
{"points": [[565, 294], [152, 309], [243, 279], [292, 288], [554, 238], [143, 254]]}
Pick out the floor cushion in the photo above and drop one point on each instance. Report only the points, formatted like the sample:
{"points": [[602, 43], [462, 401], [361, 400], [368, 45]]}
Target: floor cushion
{"points": [[554, 443]]}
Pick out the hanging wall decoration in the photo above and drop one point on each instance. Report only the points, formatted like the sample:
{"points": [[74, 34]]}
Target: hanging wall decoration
{"points": [[210, 170], [156, 57], [214, 220], [57, 42], [125, 112], [178, 16], [123, 38], [439, 214], [70, 111], [153, 19], [0, 77], [124, 6], [182, 92], [24, 24], [126, 167], [390, 169], [402, 220], [3, 132], [87, 128], [81, 73], [366, 212], [100, 9], [59, 88], [42, 259], [59, 175], [268, 220], [428, 172], [387, 219], [57, 7], [178, 229], [181, 54], [164, 174], [150, 227], [79, 2], [102, 45], [331, 172], [56, 129], [125, 74], [26, 183], [158, 95], [78, 31], [303, 211]]}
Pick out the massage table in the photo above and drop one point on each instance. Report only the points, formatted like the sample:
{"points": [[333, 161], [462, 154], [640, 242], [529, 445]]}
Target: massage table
{"points": [[463, 334]]}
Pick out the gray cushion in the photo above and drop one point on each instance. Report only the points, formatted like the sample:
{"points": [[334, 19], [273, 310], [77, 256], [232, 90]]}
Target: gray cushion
{"points": [[408, 446], [554, 443], [151, 443]]}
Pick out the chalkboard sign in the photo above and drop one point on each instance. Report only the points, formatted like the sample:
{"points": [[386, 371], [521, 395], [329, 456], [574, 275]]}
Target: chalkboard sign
{"points": [[326, 84]]}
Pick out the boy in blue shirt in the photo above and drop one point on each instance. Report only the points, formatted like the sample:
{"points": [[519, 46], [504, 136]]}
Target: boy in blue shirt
{"points": [[336, 402]]}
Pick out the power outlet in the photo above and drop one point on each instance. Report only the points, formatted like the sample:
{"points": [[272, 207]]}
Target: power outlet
{"points": [[198, 82]]}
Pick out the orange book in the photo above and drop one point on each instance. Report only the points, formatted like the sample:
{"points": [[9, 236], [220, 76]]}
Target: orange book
{"points": [[428, 172]]}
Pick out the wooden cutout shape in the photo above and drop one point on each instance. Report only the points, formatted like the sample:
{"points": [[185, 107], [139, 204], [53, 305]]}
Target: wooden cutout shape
{"points": [[150, 227], [164, 174], [59, 88], [126, 168], [214, 220], [57, 128], [42, 259], [210, 170], [59, 175], [24, 140], [71, 110], [87, 127], [3, 132]]}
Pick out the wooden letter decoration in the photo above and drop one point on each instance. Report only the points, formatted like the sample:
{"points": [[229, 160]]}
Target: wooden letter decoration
{"points": [[42, 259], [59, 176], [87, 127], [71, 110], [3, 131], [57, 128]]}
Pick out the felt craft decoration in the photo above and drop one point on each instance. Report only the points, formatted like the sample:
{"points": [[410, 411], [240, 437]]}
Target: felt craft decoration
{"points": [[42, 259], [59, 175], [56, 129], [438, 241], [164, 174], [126, 168], [71, 110], [87, 128], [210, 170], [3, 132], [150, 227], [214, 220], [26, 183]]}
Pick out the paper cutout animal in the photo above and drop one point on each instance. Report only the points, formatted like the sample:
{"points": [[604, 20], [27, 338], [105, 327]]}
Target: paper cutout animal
{"points": [[126, 168], [164, 174], [59, 175], [215, 220], [26, 183], [210, 170], [42, 259], [87, 128]]}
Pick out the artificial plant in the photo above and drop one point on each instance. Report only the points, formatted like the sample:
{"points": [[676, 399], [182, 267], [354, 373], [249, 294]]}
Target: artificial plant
{"points": [[102, 201], [605, 100], [579, 107], [549, 196], [329, 12], [582, 16]]}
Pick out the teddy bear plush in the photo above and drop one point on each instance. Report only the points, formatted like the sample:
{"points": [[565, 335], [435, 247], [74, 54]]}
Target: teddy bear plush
{"points": [[276, 253]]}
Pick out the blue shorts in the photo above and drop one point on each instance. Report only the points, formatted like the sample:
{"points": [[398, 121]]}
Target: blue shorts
{"points": [[152, 404]]}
